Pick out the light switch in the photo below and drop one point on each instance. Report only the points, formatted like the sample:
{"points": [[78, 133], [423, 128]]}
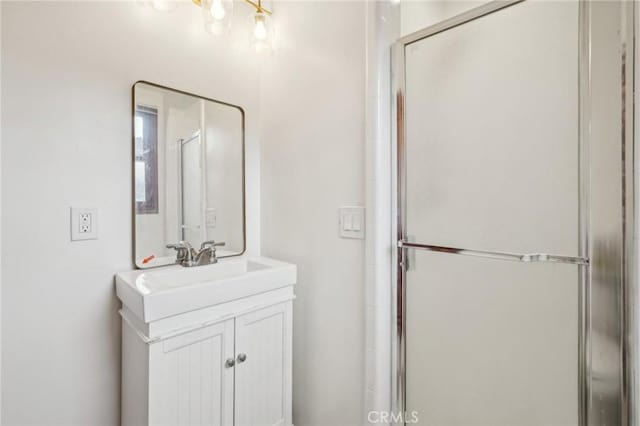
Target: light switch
{"points": [[356, 224], [347, 224], [351, 224], [211, 217]]}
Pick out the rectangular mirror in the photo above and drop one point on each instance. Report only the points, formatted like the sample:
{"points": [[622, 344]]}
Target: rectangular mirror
{"points": [[188, 173]]}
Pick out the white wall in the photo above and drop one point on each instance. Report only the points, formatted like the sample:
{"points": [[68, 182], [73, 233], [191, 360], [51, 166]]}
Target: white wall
{"points": [[0, 211], [383, 29], [67, 72], [312, 106], [416, 15]]}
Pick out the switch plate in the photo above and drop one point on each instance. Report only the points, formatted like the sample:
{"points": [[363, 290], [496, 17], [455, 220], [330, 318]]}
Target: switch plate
{"points": [[84, 224], [351, 223], [211, 217]]}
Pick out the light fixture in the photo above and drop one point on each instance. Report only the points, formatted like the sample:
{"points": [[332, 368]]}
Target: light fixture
{"points": [[262, 33], [260, 30], [217, 10], [217, 20], [217, 15]]}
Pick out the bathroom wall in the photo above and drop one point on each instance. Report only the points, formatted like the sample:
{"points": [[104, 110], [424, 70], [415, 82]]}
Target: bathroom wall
{"points": [[416, 15], [313, 105], [67, 72], [383, 29], [1, 220]]}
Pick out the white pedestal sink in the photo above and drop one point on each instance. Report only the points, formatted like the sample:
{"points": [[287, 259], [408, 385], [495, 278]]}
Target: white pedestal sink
{"points": [[216, 336]]}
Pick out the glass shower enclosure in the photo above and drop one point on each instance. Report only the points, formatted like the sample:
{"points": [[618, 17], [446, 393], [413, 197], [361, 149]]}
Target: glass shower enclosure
{"points": [[515, 216]]}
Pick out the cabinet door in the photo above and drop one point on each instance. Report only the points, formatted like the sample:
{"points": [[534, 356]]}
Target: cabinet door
{"points": [[263, 379], [189, 381]]}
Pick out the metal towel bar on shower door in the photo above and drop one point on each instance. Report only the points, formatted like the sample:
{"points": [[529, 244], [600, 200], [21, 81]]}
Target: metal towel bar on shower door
{"points": [[515, 257]]}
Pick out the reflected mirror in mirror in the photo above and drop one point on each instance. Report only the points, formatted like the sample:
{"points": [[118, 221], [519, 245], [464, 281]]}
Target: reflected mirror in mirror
{"points": [[188, 173]]}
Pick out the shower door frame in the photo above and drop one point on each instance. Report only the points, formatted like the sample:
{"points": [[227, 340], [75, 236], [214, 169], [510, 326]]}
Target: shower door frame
{"points": [[594, 396]]}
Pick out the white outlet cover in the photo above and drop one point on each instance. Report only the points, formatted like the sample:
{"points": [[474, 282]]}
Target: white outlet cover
{"points": [[84, 224]]}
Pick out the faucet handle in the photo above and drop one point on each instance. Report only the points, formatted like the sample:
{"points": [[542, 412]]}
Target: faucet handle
{"points": [[182, 245], [212, 244], [184, 251]]}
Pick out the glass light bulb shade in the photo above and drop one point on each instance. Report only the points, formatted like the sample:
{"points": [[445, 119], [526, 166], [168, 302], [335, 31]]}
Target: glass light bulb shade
{"points": [[262, 31], [217, 10], [217, 15]]}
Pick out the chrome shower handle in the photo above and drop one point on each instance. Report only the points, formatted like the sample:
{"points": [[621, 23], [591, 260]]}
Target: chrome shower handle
{"points": [[517, 257]]}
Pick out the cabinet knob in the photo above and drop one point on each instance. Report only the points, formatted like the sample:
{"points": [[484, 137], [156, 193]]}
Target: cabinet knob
{"points": [[242, 358], [230, 363]]}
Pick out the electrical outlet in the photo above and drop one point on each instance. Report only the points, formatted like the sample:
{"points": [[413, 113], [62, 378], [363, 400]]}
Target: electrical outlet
{"points": [[84, 224]]}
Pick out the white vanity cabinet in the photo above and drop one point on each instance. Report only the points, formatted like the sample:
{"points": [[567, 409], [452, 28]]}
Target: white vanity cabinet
{"points": [[188, 381], [225, 363], [263, 379]]}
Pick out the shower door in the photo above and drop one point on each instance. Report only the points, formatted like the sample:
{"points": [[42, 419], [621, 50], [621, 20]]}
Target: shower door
{"points": [[191, 190], [492, 226]]}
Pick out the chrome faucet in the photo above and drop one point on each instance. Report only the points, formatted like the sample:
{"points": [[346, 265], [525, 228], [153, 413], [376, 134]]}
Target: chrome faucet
{"points": [[187, 256]]}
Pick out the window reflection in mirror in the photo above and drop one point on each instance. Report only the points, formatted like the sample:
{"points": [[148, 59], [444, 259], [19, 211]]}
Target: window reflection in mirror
{"points": [[146, 160], [188, 173]]}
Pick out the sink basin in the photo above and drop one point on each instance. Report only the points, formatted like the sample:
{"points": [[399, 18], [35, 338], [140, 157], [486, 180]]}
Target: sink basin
{"points": [[152, 294], [168, 278]]}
